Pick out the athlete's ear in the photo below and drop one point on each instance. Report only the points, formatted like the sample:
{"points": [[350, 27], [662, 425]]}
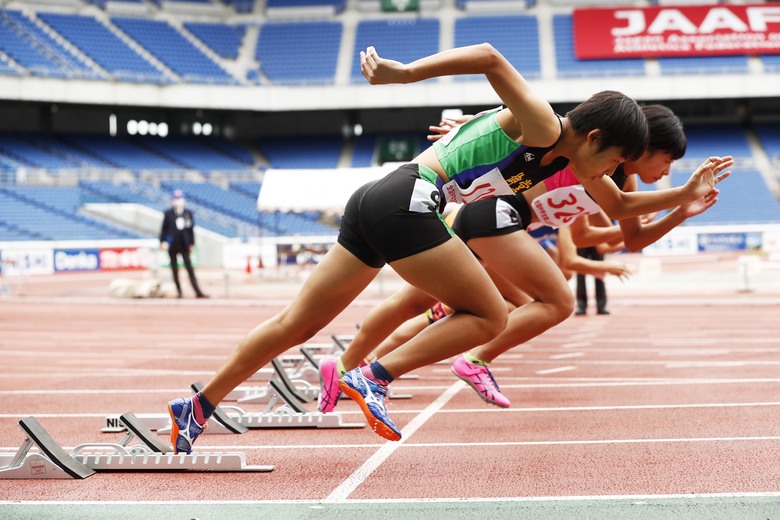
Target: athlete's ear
{"points": [[594, 136]]}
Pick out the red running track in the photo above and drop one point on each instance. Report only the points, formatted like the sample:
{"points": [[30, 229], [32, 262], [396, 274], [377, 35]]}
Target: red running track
{"points": [[661, 397]]}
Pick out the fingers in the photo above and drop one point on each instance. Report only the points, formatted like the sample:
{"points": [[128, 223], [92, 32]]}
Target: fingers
{"points": [[722, 177], [368, 63]]}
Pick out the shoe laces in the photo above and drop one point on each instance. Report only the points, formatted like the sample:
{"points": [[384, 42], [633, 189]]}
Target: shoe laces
{"points": [[490, 381]]}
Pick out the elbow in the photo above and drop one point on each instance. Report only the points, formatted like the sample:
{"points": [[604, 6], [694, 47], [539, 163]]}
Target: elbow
{"points": [[489, 56], [633, 245]]}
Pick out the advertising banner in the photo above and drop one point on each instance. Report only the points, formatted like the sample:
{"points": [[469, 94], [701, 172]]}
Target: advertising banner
{"points": [[729, 241], [73, 260], [125, 259], [679, 243], [707, 30], [21, 262]]}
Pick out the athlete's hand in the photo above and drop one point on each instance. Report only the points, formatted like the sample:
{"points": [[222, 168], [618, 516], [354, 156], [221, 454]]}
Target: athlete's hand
{"points": [[445, 126], [164, 246], [618, 269], [379, 71], [700, 205], [708, 175]]}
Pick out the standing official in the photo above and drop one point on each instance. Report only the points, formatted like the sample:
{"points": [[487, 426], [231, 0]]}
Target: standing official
{"points": [[177, 237]]}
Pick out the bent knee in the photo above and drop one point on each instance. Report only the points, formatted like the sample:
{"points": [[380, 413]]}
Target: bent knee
{"points": [[493, 322], [563, 307]]}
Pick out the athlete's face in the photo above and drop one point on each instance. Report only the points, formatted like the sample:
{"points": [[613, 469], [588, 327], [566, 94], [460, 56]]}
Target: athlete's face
{"points": [[590, 164], [651, 167]]}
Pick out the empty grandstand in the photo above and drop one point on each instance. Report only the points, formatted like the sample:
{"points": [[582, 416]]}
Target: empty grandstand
{"points": [[240, 86]]}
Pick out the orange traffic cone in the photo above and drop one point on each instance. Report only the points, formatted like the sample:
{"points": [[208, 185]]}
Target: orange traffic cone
{"points": [[249, 265]]}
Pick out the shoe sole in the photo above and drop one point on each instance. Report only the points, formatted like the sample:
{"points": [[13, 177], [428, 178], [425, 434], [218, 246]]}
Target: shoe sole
{"points": [[174, 430], [477, 390], [378, 426]]}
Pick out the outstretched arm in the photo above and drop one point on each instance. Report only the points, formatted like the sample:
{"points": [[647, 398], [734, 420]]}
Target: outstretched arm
{"points": [[638, 235], [533, 114], [620, 205]]}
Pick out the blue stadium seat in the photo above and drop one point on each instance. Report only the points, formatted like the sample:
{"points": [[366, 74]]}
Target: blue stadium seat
{"points": [[241, 6], [338, 5], [26, 29], [771, 62], [769, 135], [28, 154], [193, 153], [121, 152], [746, 200], [223, 39], [516, 37], [569, 66], [169, 46], [312, 152], [707, 139], [404, 40], [104, 47], [365, 151], [704, 65], [299, 52], [22, 210]]}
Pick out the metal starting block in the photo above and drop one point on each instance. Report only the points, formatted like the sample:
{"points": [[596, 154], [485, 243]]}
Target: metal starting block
{"points": [[152, 454], [285, 409], [303, 390]]}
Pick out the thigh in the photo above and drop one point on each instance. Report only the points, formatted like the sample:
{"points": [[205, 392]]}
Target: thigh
{"points": [[336, 281], [451, 274], [519, 259], [508, 290]]}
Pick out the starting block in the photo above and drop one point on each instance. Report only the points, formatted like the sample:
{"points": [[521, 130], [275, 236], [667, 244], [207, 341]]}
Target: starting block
{"points": [[285, 409], [303, 390], [152, 454]]}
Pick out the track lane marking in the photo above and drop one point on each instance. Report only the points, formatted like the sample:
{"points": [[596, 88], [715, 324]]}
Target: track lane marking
{"points": [[351, 483]]}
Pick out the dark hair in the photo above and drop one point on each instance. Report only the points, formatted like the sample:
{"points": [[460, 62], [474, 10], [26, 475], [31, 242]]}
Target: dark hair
{"points": [[666, 131], [619, 118]]}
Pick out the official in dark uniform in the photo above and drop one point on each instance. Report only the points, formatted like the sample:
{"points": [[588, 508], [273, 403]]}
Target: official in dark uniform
{"points": [[177, 237]]}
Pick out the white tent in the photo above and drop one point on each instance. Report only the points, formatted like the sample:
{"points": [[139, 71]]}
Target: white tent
{"points": [[318, 190]]}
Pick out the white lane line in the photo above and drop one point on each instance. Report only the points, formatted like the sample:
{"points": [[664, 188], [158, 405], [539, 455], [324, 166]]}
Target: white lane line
{"points": [[562, 498], [555, 370], [576, 344], [594, 408], [351, 483], [567, 356], [578, 442]]}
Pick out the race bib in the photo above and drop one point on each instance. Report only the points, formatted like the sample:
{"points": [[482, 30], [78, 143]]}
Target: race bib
{"points": [[491, 184], [560, 206]]}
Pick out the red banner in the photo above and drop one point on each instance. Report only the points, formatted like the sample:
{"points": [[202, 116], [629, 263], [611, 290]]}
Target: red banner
{"points": [[124, 259], [711, 30]]}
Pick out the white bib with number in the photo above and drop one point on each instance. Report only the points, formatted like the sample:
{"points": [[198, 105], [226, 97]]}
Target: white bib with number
{"points": [[560, 206], [491, 184]]}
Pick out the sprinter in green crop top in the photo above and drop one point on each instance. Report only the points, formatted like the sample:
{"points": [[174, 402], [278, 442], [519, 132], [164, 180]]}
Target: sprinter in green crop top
{"points": [[396, 220]]}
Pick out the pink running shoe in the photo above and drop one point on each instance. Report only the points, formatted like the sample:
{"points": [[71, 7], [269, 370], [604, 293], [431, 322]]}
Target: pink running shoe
{"points": [[329, 385], [481, 380]]}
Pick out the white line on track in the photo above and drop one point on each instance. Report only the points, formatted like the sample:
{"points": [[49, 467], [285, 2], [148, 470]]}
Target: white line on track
{"points": [[767, 494], [555, 370], [575, 382], [351, 483], [568, 355], [385, 450], [425, 412]]}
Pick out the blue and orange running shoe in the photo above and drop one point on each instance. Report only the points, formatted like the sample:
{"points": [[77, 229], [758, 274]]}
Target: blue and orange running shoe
{"points": [[184, 428], [329, 384], [371, 397]]}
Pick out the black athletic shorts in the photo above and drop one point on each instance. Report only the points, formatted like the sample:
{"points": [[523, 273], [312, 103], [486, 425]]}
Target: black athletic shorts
{"points": [[491, 217], [394, 217]]}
